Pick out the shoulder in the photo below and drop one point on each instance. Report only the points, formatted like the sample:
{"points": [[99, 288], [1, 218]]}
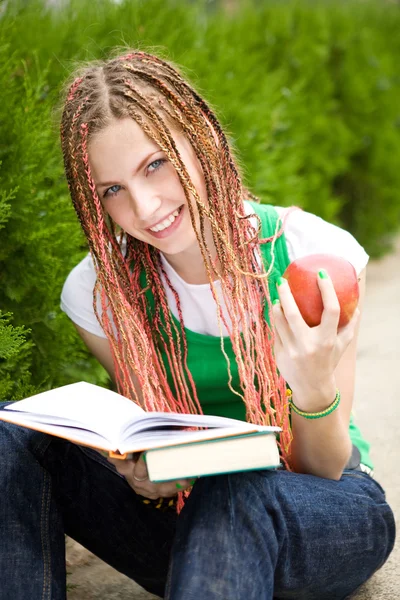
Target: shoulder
{"points": [[307, 233], [77, 296]]}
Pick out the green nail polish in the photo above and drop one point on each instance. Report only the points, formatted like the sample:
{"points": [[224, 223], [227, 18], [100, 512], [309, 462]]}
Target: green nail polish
{"points": [[179, 486], [192, 481], [275, 301], [280, 280], [323, 274]]}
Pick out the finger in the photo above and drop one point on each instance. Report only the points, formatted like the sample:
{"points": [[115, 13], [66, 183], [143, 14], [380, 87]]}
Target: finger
{"points": [[172, 488], [150, 493], [183, 484], [290, 309], [276, 316], [167, 489], [281, 326], [160, 490], [140, 470], [145, 488], [167, 492], [347, 332], [331, 312], [124, 467]]}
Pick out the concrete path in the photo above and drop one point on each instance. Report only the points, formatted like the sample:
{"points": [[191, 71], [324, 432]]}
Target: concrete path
{"points": [[377, 411], [377, 405]]}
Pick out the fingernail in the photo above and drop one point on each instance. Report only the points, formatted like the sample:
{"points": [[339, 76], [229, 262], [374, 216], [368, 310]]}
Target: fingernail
{"points": [[323, 274], [275, 301], [280, 280], [179, 486], [144, 457], [192, 481]]}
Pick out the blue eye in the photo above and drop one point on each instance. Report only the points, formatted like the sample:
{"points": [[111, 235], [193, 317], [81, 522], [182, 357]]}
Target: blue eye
{"points": [[155, 165], [112, 191]]}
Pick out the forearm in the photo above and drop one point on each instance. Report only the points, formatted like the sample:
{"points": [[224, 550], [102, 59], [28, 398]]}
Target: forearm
{"points": [[321, 446]]}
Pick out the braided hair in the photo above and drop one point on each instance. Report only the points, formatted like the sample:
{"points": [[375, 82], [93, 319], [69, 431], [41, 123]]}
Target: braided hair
{"points": [[154, 94]]}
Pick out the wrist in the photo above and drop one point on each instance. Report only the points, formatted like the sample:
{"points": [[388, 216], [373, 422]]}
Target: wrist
{"points": [[315, 399]]}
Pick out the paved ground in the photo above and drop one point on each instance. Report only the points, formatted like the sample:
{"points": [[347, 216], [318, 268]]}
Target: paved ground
{"points": [[377, 413], [378, 402]]}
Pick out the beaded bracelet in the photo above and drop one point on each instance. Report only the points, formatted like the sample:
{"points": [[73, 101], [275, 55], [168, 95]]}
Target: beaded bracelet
{"points": [[314, 415], [162, 504]]}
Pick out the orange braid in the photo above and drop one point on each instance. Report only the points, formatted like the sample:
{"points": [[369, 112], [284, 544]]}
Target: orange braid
{"points": [[143, 336]]}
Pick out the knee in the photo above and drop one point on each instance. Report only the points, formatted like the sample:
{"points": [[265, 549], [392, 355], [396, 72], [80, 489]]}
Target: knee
{"points": [[383, 534], [16, 442]]}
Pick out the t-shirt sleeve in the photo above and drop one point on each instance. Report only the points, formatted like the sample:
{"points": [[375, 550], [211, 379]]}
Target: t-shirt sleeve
{"points": [[307, 233], [77, 297]]}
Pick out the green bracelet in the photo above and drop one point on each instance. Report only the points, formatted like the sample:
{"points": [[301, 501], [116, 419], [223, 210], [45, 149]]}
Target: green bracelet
{"points": [[315, 415]]}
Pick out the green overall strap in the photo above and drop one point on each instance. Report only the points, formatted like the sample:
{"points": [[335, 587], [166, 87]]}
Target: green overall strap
{"points": [[270, 222]]}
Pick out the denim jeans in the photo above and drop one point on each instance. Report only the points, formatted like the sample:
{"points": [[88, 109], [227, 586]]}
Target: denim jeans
{"points": [[250, 536]]}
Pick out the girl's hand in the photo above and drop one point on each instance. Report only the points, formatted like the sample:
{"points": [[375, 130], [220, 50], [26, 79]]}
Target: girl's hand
{"points": [[308, 356], [135, 470]]}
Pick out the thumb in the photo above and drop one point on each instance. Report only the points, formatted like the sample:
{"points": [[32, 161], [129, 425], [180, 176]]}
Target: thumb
{"points": [[140, 469]]}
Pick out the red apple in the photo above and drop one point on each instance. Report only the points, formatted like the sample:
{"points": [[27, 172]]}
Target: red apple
{"points": [[302, 276]]}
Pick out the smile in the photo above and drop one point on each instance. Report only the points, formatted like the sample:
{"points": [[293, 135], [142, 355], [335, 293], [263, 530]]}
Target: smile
{"points": [[167, 225]]}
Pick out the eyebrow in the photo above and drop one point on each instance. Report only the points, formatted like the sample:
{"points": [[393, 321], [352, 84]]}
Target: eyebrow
{"points": [[139, 166]]}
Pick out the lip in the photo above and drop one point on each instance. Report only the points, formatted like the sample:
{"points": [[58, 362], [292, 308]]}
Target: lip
{"points": [[166, 232], [163, 218]]}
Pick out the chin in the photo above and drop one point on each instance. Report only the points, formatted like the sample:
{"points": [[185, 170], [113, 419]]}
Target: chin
{"points": [[172, 248]]}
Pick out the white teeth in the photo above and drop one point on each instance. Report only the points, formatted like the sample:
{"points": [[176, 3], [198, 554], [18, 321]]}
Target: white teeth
{"points": [[166, 223]]}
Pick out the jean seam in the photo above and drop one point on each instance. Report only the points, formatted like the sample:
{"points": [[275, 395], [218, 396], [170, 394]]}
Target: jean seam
{"points": [[44, 529], [231, 515], [42, 445], [100, 459]]}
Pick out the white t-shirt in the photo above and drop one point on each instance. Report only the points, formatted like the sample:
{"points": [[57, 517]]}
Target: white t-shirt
{"points": [[305, 234]]}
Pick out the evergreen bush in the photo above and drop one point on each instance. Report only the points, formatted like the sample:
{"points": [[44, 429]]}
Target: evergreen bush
{"points": [[15, 350], [308, 91], [40, 240], [15, 361]]}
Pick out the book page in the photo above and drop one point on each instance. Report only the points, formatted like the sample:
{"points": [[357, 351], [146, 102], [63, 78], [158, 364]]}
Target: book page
{"points": [[73, 434], [158, 419], [145, 440], [93, 407], [87, 407]]}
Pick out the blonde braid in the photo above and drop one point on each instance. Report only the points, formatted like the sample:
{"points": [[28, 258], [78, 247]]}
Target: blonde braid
{"points": [[150, 91]]}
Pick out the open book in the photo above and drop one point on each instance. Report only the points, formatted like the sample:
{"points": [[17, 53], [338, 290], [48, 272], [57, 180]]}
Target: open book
{"points": [[93, 416]]}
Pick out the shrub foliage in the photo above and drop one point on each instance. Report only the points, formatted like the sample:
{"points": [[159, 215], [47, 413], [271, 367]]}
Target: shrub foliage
{"points": [[309, 93]]}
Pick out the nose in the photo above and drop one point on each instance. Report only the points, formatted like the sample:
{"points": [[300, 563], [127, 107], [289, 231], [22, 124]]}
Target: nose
{"points": [[146, 203]]}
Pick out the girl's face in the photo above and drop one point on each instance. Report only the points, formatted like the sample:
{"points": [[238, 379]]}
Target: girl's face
{"points": [[140, 189]]}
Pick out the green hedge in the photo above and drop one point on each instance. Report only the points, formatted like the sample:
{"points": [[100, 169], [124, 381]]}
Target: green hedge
{"points": [[308, 91]]}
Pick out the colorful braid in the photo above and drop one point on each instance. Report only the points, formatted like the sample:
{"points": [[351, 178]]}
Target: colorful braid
{"points": [[150, 91]]}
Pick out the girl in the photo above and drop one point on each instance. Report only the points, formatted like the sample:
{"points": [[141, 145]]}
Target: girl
{"points": [[181, 299]]}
